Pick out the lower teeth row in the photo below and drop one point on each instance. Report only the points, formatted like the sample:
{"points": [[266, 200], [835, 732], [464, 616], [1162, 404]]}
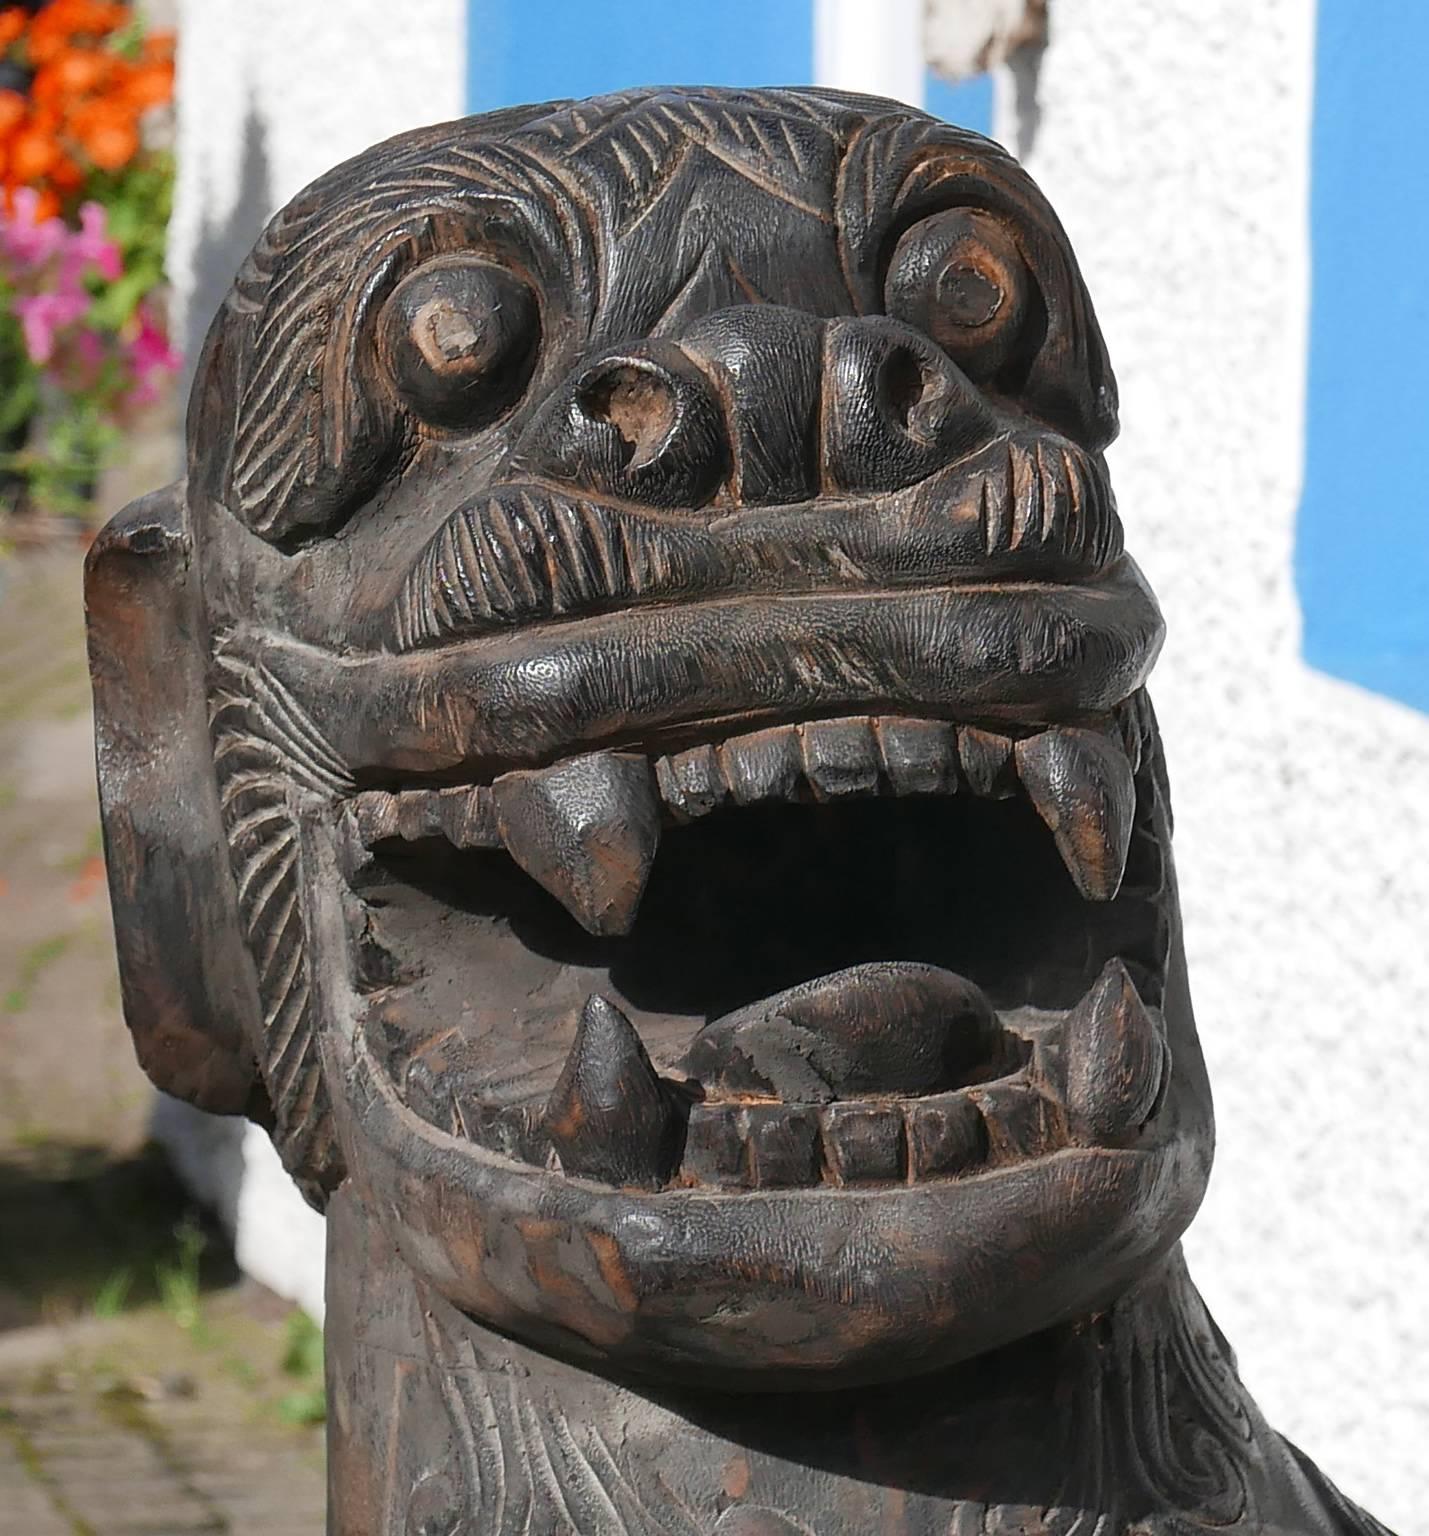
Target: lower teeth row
{"points": [[775, 1145], [770, 1146], [1095, 1079]]}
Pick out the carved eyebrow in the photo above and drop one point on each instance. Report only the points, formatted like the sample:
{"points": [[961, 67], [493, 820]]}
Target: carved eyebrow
{"points": [[311, 434], [767, 184]]}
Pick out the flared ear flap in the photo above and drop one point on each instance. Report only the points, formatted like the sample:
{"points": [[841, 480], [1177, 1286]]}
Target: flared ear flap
{"points": [[190, 996]]}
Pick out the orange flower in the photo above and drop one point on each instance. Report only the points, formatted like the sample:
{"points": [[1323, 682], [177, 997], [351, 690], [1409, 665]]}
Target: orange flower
{"points": [[54, 28], [13, 21], [107, 134], [32, 153], [72, 72], [13, 109], [65, 175], [93, 18], [147, 85]]}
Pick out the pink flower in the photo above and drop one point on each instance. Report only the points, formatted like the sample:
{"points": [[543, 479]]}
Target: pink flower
{"points": [[90, 245], [27, 241], [89, 348], [149, 355], [43, 316], [80, 359]]}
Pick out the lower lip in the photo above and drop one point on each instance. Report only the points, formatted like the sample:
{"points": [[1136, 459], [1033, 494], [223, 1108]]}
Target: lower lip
{"points": [[1011, 652], [842, 1287]]}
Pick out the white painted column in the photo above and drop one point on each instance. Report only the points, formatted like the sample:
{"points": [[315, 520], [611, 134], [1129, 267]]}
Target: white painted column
{"points": [[870, 45], [270, 94]]}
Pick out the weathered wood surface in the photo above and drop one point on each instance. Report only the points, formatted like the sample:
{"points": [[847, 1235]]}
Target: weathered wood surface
{"points": [[629, 752]]}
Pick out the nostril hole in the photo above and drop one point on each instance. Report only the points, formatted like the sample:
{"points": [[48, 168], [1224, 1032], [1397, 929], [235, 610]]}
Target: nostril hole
{"points": [[639, 405], [908, 391]]}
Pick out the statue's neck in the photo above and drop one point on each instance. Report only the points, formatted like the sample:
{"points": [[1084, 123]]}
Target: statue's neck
{"points": [[1100, 1427], [1135, 1408]]}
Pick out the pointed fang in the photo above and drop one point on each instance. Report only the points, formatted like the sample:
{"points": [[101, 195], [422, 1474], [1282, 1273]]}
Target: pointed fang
{"points": [[587, 830], [609, 1116], [1081, 785], [1115, 1060]]}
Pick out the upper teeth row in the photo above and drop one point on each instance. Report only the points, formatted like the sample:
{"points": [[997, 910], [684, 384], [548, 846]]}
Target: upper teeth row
{"points": [[820, 760], [836, 759], [587, 828]]}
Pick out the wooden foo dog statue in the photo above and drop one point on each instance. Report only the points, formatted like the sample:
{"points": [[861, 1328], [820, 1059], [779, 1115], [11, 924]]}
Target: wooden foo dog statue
{"points": [[628, 754]]}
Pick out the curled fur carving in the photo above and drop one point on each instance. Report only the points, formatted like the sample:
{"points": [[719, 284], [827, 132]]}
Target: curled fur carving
{"points": [[1188, 1429], [267, 755]]}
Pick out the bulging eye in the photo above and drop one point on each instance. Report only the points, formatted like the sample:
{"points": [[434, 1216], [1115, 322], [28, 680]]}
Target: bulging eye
{"points": [[458, 338], [959, 278]]}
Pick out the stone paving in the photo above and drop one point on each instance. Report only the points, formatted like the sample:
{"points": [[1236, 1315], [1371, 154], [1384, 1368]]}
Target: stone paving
{"points": [[137, 1426], [144, 1391]]}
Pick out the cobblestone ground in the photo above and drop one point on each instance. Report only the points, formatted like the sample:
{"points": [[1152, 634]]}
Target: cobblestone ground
{"points": [[139, 1425], [143, 1389]]}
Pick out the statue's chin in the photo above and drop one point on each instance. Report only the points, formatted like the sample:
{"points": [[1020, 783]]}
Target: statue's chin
{"points": [[903, 1093], [767, 1289]]}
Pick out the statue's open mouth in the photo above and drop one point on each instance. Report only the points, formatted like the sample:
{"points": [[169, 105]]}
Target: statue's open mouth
{"points": [[857, 951], [836, 1041]]}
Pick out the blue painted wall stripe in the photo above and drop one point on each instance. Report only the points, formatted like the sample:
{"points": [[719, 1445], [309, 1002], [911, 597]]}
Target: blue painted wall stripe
{"points": [[969, 103], [532, 50], [1362, 548]]}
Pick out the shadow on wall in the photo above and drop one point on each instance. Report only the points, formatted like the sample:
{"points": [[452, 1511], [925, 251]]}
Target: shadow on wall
{"points": [[222, 245]]}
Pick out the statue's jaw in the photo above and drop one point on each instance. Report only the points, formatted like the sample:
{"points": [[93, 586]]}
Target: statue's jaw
{"points": [[836, 1047]]}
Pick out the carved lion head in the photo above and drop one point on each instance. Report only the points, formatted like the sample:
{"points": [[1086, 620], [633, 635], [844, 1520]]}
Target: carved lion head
{"points": [[629, 745]]}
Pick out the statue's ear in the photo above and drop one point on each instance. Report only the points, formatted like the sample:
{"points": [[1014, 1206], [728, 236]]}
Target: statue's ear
{"points": [[190, 996]]}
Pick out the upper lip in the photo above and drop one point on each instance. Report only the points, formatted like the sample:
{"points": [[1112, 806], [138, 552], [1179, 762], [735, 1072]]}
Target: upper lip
{"points": [[1014, 651], [1029, 505]]}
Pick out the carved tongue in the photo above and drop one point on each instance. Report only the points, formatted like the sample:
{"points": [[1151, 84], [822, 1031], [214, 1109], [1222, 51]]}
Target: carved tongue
{"points": [[1115, 1060], [1081, 784], [888, 1027], [587, 830], [609, 1116]]}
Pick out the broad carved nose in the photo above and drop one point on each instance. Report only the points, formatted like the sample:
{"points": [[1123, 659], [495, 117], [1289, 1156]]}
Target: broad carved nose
{"points": [[895, 406], [778, 405], [642, 424]]}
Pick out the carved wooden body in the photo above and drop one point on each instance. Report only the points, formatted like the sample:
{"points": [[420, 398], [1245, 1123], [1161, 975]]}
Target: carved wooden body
{"points": [[629, 754]]}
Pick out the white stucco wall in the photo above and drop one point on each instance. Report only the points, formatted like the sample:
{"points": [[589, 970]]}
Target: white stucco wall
{"points": [[271, 93], [1173, 142]]}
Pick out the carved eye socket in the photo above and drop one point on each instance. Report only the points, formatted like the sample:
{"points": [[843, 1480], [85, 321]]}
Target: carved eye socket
{"points": [[959, 278], [458, 337]]}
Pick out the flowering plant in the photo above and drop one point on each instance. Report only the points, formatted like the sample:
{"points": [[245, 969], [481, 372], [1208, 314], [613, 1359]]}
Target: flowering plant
{"points": [[82, 221]]}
